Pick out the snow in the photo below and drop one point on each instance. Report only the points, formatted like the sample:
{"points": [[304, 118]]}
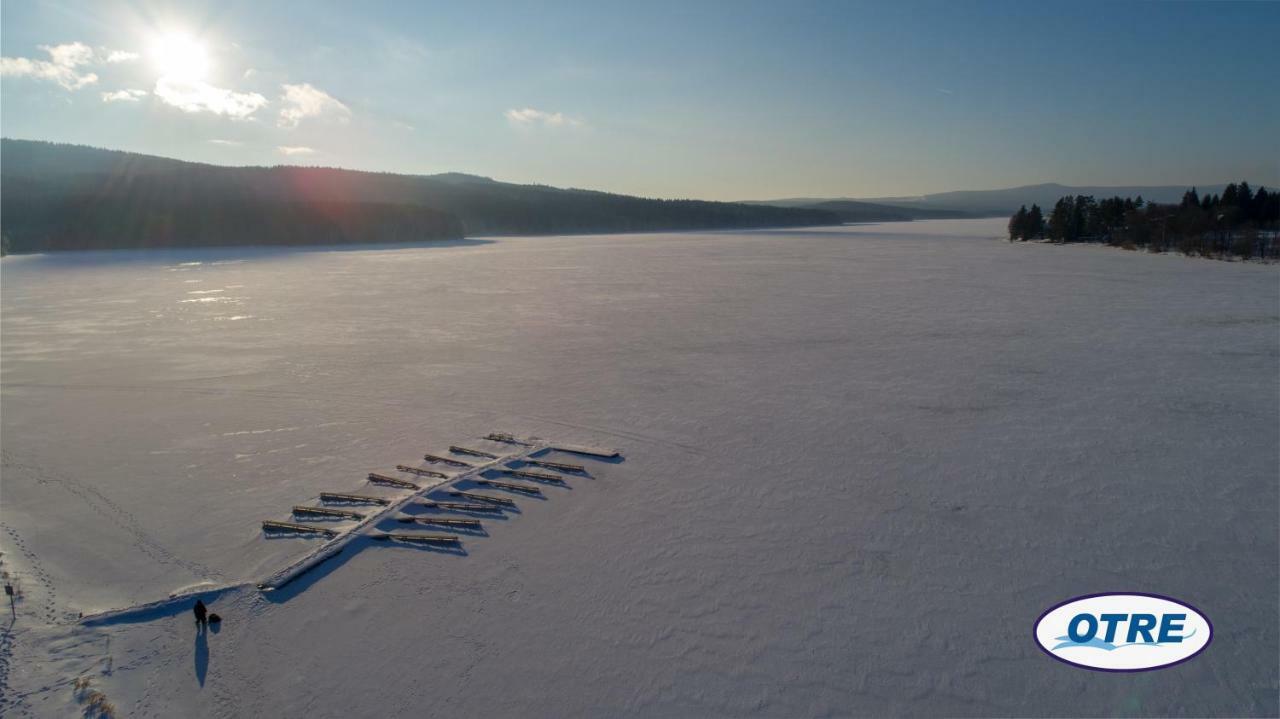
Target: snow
{"points": [[858, 462]]}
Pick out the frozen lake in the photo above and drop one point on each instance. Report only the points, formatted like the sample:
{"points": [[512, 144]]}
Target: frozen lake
{"points": [[860, 462]]}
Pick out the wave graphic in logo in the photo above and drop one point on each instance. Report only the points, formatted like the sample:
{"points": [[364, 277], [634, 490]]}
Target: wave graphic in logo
{"points": [[1123, 632]]}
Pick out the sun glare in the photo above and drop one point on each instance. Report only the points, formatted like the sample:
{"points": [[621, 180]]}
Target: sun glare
{"points": [[179, 55]]}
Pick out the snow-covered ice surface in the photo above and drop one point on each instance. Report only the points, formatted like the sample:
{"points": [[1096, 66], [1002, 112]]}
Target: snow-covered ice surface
{"points": [[859, 462]]}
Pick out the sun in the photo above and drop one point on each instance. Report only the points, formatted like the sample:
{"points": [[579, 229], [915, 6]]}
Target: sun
{"points": [[178, 55]]}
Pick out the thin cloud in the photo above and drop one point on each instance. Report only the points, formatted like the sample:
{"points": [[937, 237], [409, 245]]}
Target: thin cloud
{"points": [[291, 150], [124, 95], [62, 66], [226, 143], [529, 116], [304, 101], [122, 56], [199, 96]]}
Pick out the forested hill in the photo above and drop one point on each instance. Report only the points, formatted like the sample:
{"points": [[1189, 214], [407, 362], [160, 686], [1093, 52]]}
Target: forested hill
{"points": [[63, 197]]}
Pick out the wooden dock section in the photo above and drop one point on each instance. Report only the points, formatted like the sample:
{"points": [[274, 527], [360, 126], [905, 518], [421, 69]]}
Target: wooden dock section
{"points": [[483, 498], [460, 506], [507, 438], [445, 460], [343, 498], [602, 452], [326, 512], [509, 485], [420, 538], [368, 520], [421, 472], [393, 481], [575, 468], [442, 521], [536, 476], [270, 526], [473, 452]]}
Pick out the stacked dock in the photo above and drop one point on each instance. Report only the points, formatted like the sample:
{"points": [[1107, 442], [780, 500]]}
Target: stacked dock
{"points": [[431, 498]]}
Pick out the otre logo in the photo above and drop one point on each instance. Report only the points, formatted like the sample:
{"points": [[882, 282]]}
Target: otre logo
{"points": [[1123, 632]]}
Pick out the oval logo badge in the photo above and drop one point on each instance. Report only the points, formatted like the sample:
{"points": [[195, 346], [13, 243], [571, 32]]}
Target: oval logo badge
{"points": [[1123, 632]]}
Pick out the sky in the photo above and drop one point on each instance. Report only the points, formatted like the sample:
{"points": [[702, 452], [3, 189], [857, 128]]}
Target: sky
{"points": [[711, 100]]}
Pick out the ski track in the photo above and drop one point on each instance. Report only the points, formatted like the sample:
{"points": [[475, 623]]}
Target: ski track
{"points": [[118, 516], [324, 552]]}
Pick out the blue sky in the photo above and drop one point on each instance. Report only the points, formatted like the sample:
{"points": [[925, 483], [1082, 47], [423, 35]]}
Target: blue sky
{"points": [[734, 100]]}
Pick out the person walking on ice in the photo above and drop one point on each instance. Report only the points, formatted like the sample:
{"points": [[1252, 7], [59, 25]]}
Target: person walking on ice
{"points": [[201, 612]]}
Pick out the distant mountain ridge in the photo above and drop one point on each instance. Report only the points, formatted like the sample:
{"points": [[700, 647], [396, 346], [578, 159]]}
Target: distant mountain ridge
{"points": [[64, 197], [1002, 202], [862, 211]]}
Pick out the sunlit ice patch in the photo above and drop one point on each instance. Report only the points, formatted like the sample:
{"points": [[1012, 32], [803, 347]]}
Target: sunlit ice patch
{"points": [[1123, 631]]}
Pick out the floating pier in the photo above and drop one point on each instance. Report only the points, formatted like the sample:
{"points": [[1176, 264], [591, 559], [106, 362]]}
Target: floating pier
{"points": [[351, 498], [367, 522], [445, 460], [460, 506], [326, 512], [483, 498], [393, 481], [603, 452], [537, 476], [443, 521], [507, 438], [270, 526], [509, 485], [473, 452], [421, 472], [557, 465], [422, 538]]}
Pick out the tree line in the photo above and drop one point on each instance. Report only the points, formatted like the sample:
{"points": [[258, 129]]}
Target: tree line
{"points": [[65, 197], [1239, 222]]}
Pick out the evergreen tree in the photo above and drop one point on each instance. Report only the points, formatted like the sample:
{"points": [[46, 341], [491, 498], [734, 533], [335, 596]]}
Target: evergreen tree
{"points": [[1266, 206], [1241, 221], [1060, 219], [1018, 224], [1230, 196], [1035, 223], [1244, 199]]}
